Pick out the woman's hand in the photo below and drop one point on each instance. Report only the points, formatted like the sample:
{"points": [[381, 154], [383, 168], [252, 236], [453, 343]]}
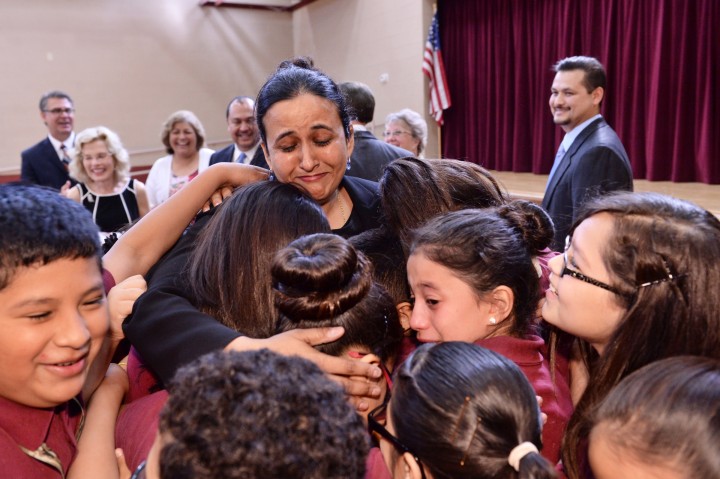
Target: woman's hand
{"points": [[359, 379]]}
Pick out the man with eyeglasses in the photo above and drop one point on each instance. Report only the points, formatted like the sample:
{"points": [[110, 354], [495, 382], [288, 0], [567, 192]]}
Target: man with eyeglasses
{"points": [[370, 155], [46, 163], [245, 134]]}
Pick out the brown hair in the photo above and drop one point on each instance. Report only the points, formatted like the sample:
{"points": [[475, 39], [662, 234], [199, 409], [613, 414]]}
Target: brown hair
{"points": [[415, 190], [663, 255], [320, 280], [230, 266]]}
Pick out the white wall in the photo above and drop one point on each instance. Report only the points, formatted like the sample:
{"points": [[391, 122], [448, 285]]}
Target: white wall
{"points": [[128, 64], [359, 40]]}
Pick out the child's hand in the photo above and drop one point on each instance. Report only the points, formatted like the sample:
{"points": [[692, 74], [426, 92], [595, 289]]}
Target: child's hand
{"points": [[120, 302], [115, 382], [122, 464], [220, 195]]}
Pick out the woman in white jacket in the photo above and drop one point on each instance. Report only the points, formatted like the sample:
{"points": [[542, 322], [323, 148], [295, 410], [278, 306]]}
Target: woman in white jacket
{"points": [[183, 136]]}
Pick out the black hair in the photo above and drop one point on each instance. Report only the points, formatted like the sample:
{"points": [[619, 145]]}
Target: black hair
{"points": [[237, 99], [259, 414], [321, 280], [292, 79], [487, 248], [666, 414], [360, 100], [673, 248], [414, 190], [385, 252], [461, 409], [39, 226], [230, 266], [595, 76]]}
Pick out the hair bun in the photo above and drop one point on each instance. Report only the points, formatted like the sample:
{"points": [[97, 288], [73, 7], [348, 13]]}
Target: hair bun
{"points": [[319, 276], [298, 62], [533, 223]]}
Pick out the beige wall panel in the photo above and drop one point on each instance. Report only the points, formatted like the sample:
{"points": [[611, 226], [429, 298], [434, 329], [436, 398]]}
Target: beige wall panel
{"points": [[129, 64], [360, 40]]}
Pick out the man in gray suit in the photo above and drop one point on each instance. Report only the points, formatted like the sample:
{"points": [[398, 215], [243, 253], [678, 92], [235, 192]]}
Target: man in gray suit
{"points": [[245, 134], [370, 156], [591, 159]]}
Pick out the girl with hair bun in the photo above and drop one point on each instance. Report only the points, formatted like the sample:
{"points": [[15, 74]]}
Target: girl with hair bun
{"points": [[474, 278], [320, 280], [461, 411]]}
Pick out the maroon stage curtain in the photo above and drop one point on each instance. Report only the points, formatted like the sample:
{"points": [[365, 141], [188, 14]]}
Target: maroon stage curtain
{"points": [[662, 59]]}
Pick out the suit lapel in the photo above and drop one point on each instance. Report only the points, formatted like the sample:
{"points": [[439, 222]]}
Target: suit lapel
{"points": [[52, 157], [568, 158]]}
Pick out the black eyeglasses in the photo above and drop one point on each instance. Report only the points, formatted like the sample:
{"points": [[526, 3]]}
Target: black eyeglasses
{"points": [[375, 426], [582, 277], [60, 111]]}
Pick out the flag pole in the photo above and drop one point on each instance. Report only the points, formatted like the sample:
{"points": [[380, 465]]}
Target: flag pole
{"points": [[439, 127]]}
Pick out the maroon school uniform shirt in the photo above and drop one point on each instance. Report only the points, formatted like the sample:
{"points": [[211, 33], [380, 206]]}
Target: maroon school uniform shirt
{"points": [[528, 355], [137, 425], [30, 428]]}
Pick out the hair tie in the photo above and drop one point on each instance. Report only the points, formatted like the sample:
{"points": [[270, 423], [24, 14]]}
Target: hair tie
{"points": [[520, 451]]}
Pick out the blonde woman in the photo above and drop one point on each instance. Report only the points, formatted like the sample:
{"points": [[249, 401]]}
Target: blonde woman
{"points": [[102, 167]]}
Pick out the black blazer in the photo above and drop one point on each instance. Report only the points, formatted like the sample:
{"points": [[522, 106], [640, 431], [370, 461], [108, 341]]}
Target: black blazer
{"points": [[371, 156], [226, 154], [168, 330], [595, 164], [42, 166]]}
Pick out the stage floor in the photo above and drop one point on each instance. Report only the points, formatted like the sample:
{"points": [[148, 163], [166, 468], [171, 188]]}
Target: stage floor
{"points": [[532, 187]]}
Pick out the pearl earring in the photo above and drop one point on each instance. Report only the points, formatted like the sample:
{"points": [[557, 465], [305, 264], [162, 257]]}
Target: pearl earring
{"points": [[493, 320]]}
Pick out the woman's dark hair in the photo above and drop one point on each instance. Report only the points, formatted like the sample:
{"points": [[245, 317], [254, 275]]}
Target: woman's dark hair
{"points": [[415, 190], [320, 280], [490, 248], [259, 414], [461, 409], [230, 266], [666, 413], [292, 79], [663, 255]]}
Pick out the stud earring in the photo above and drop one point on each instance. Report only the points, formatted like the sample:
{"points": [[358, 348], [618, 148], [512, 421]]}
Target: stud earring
{"points": [[493, 320]]}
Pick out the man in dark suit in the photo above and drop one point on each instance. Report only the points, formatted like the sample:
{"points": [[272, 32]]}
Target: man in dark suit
{"points": [[244, 131], [591, 160], [46, 162], [370, 156]]}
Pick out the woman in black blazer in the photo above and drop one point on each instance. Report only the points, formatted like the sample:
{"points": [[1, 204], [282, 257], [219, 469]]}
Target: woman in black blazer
{"points": [[307, 139]]}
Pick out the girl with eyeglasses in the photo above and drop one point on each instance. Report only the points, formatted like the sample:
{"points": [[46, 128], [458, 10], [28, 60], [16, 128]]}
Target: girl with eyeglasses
{"points": [[475, 278], [637, 283], [461, 411]]}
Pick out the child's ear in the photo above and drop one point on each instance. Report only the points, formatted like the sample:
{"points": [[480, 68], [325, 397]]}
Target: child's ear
{"points": [[411, 467], [502, 302], [404, 310]]}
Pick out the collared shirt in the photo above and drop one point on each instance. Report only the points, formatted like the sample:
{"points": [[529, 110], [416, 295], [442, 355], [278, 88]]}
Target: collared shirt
{"points": [[575, 132], [250, 154], [69, 145]]}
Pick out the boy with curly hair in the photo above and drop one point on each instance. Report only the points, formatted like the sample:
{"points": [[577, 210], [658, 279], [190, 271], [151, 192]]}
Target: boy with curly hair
{"points": [[256, 414]]}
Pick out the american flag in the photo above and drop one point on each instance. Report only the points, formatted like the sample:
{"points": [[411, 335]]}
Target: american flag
{"points": [[434, 69]]}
